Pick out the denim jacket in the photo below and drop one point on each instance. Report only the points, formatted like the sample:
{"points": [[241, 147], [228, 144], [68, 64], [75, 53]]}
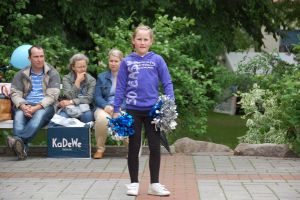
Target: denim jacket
{"points": [[102, 89]]}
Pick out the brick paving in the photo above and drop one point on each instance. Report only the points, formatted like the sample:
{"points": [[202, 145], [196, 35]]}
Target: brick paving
{"points": [[188, 177], [178, 174], [247, 178]]}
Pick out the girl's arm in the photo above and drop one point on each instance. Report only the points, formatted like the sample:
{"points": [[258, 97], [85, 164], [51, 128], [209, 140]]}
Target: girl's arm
{"points": [[165, 79]]}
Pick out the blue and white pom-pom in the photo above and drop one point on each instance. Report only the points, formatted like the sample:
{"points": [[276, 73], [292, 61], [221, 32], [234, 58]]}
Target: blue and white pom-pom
{"points": [[164, 114], [121, 128]]}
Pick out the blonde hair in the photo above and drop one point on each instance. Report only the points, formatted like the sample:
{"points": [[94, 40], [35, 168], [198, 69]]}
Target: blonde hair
{"points": [[143, 27], [76, 58], [116, 52]]}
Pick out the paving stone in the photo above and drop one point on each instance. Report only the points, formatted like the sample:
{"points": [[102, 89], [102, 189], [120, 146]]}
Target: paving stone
{"points": [[205, 177]]}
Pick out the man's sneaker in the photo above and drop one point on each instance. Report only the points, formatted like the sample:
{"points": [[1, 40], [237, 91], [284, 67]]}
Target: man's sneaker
{"points": [[10, 141], [133, 189], [158, 190], [20, 149]]}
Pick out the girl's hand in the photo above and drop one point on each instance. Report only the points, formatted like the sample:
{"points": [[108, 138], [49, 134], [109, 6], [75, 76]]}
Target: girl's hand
{"points": [[109, 109], [115, 115]]}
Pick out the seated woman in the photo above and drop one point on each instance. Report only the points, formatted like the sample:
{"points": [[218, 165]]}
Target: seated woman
{"points": [[104, 99], [78, 89]]}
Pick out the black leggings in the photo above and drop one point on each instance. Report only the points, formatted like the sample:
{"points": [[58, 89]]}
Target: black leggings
{"points": [[142, 117]]}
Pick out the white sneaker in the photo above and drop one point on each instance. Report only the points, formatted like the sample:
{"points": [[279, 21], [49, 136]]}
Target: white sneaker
{"points": [[133, 189], [158, 190]]}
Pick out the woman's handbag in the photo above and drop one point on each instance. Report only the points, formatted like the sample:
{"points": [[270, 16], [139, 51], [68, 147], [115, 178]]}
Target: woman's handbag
{"points": [[5, 104], [76, 111]]}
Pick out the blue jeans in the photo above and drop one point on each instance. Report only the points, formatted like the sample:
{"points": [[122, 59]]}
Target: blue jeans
{"points": [[26, 128], [85, 117]]}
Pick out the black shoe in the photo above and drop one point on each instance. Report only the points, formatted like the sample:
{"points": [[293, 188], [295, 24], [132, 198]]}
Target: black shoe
{"points": [[10, 141], [20, 149]]}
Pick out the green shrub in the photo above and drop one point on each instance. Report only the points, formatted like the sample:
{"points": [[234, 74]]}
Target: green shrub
{"points": [[272, 106], [190, 77]]}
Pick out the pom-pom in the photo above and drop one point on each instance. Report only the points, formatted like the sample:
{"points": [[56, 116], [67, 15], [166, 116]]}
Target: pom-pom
{"points": [[164, 114], [121, 128]]}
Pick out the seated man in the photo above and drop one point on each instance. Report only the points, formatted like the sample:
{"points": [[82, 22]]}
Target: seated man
{"points": [[34, 91]]}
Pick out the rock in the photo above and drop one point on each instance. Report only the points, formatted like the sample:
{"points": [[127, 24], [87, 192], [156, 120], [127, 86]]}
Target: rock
{"points": [[266, 149], [187, 145]]}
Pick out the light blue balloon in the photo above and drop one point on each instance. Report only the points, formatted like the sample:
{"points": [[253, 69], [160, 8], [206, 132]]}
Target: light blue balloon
{"points": [[19, 58]]}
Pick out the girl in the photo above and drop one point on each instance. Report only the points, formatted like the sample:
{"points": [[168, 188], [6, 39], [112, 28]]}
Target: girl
{"points": [[138, 82]]}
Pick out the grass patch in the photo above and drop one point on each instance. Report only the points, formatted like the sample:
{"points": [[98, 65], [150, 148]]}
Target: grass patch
{"points": [[225, 129], [39, 140], [221, 129]]}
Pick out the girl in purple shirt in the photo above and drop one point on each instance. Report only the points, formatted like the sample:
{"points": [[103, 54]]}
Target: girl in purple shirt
{"points": [[138, 82]]}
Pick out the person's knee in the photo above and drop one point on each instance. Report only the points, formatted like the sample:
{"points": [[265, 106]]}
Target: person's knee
{"points": [[39, 114], [87, 116], [18, 115], [101, 119], [42, 115]]}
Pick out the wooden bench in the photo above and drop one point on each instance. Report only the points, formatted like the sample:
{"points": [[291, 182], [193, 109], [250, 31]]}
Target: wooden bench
{"points": [[8, 124]]}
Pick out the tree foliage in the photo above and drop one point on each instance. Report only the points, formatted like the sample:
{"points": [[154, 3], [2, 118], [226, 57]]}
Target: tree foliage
{"points": [[189, 34], [190, 82], [15, 27], [272, 106], [218, 22], [215, 20]]}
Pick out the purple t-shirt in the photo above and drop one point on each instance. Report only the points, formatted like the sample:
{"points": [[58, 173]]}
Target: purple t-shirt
{"points": [[138, 81]]}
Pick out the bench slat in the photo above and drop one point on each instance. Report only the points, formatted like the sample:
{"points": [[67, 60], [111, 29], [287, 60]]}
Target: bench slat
{"points": [[6, 124]]}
